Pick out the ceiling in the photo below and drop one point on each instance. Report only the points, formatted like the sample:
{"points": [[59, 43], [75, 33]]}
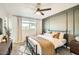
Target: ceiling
{"points": [[28, 9]]}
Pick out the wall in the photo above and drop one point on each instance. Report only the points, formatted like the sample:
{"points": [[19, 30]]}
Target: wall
{"points": [[58, 21]]}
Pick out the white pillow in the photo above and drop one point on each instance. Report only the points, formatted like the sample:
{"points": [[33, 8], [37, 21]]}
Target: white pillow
{"points": [[77, 38], [45, 34], [61, 35], [1, 36]]}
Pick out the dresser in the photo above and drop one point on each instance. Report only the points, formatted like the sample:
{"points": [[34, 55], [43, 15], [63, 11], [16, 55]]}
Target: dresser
{"points": [[6, 47]]}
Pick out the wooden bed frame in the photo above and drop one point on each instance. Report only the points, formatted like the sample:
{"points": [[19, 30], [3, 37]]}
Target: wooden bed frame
{"points": [[33, 49]]}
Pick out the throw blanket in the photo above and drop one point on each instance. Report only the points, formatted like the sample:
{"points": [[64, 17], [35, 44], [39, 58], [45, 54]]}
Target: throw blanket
{"points": [[46, 45]]}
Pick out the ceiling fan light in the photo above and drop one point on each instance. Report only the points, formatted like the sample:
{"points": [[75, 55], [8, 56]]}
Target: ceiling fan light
{"points": [[37, 13]]}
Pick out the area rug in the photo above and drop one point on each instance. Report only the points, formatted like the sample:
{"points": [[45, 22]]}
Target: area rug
{"points": [[22, 49]]}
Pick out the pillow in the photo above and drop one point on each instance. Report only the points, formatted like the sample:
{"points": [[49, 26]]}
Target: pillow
{"points": [[56, 35], [1, 36], [53, 33], [61, 35], [77, 38]]}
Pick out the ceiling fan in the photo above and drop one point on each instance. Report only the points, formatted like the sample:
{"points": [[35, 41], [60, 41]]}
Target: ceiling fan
{"points": [[41, 10]]}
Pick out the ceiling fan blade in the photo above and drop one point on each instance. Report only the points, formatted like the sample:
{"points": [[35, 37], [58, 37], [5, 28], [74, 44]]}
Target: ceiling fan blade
{"points": [[45, 9], [41, 13]]}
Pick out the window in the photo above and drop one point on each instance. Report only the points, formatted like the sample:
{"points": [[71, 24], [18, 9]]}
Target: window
{"points": [[32, 26], [25, 26], [28, 25]]}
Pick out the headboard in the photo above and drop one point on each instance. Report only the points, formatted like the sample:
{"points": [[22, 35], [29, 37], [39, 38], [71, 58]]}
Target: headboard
{"points": [[57, 31], [63, 31]]}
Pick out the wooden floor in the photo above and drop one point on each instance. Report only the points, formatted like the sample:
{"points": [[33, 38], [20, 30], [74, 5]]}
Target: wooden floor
{"points": [[15, 46]]}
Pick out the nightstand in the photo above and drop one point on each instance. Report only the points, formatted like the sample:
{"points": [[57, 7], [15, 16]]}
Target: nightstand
{"points": [[74, 46]]}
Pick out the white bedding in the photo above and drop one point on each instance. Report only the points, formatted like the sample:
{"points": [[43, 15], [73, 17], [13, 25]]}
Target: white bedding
{"points": [[57, 42], [39, 51]]}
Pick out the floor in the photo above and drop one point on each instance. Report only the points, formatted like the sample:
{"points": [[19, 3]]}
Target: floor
{"points": [[19, 49]]}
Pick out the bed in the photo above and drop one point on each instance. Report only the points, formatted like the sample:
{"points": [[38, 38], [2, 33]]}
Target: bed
{"points": [[45, 44]]}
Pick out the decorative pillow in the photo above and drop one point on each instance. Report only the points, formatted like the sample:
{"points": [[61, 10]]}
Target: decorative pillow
{"points": [[53, 33], [56, 35]]}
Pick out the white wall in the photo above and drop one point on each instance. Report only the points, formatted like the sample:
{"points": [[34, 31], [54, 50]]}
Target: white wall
{"points": [[39, 27]]}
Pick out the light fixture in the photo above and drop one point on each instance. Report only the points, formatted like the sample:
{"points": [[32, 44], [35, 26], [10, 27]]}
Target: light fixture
{"points": [[38, 13]]}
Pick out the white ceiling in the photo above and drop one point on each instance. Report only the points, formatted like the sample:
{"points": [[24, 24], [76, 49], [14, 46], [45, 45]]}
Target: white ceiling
{"points": [[28, 9]]}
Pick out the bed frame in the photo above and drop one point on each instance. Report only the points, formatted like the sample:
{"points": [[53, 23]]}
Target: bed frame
{"points": [[33, 49]]}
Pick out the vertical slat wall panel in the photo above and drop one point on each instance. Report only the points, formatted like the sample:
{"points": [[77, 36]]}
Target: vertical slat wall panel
{"points": [[57, 21]]}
